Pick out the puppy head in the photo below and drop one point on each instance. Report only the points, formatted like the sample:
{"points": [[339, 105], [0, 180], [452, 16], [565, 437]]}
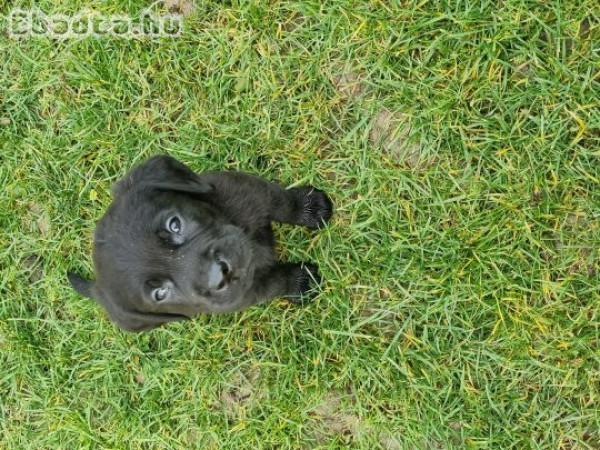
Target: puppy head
{"points": [[163, 252]]}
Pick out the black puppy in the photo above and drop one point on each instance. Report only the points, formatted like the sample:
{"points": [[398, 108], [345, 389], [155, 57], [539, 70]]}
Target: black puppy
{"points": [[174, 244]]}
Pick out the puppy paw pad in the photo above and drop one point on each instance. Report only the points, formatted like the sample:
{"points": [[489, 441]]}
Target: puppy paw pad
{"points": [[317, 208]]}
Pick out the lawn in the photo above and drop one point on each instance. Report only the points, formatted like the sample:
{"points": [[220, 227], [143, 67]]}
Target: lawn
{"points": [[460, 143]]}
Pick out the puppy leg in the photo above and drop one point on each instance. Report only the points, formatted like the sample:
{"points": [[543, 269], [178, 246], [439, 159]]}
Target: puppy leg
{"points": [[294, 282], [305, 206], [312, 207], [254, 200]]}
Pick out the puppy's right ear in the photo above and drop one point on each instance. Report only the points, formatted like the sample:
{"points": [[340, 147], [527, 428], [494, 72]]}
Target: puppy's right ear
{"points": [[81, 285], [127, 320], [135, 321], [164, 173]]}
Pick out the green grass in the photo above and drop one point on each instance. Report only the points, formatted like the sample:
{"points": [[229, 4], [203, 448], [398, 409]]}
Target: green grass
{"points": [[461, 307]]}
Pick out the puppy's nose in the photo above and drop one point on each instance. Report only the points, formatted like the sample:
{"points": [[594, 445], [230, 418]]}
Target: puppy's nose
{"points": [[219, 274]]}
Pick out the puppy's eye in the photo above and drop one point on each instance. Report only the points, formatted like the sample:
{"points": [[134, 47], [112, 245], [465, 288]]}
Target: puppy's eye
{"points": [[160, 293], [174, 225]]}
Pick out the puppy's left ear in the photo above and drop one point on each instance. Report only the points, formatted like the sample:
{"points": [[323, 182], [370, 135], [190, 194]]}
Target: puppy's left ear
{"points": [[163, 173]]}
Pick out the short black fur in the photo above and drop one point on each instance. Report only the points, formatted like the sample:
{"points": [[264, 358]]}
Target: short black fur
{"points": [[174, 244]]}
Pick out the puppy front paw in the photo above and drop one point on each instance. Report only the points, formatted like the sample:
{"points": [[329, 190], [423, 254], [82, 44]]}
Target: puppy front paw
{"points": [[302, 282], [315, 207]]}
